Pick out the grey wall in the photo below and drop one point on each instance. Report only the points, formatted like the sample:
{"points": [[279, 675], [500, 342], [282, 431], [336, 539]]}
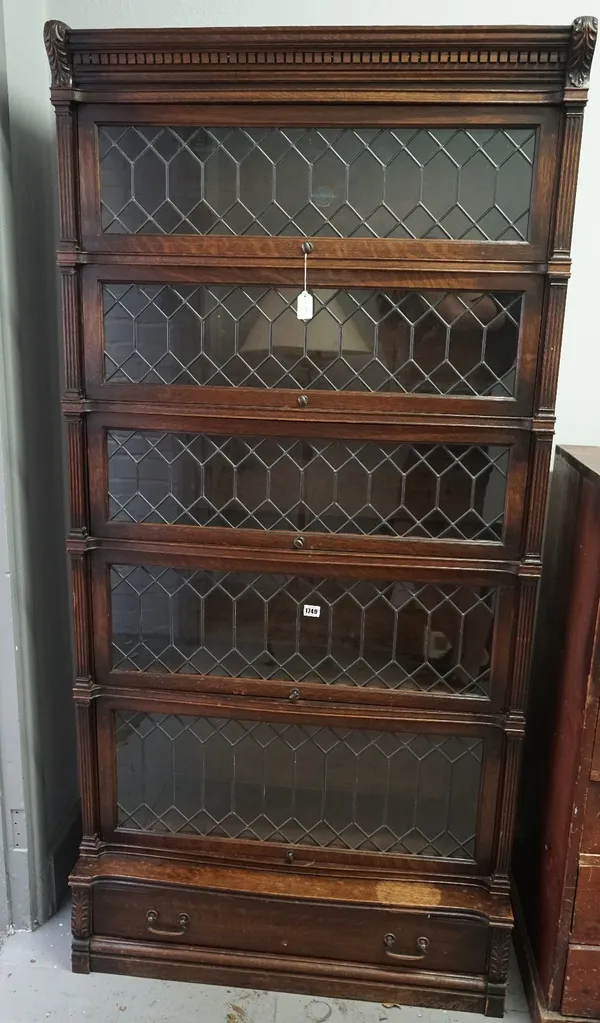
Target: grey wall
{"points": [[37, 749]]}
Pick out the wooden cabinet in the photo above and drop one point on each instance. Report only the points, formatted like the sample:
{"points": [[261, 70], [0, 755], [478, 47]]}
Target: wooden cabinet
{"points": [[557, 852], [306, 551]]}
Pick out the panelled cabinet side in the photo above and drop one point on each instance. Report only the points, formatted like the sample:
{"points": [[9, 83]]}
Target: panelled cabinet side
{"points": [[583, 43], [558, 785], [66, 110]]}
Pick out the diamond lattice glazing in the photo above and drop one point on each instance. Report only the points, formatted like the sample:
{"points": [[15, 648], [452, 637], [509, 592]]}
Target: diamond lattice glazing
{"points": [[447, 183], [402, 635], [452, 492], [342, 788], [432, 342]]}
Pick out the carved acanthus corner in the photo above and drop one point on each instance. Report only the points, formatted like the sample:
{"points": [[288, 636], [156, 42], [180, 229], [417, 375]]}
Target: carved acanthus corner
{"points": [[55, 41], [585, 34], [81, 913], [499, 955]]}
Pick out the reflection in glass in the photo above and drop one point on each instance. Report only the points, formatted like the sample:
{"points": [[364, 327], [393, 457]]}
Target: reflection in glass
{"points": [[362, 789], [446, 183], [401, 635], [430, 342], [444, 491]]}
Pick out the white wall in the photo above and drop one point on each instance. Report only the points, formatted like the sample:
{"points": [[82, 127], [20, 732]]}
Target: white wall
{"points": [[578, 410]]}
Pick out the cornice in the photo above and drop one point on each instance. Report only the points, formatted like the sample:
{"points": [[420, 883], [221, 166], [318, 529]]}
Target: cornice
{"points": [[536, 58]]}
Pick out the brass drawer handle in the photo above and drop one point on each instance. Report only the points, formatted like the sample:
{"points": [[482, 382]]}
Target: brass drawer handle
{"points": [[303, 400], [167, 932], [299, 542], [389, 940]]}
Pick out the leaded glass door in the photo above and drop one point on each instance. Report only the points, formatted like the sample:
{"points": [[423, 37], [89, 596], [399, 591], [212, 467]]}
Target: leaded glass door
{"points": [[310, 519], [313, 789]]}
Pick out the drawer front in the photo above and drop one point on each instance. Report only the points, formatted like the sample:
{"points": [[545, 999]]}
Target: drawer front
{"points": [[595, 769], [372, 637], [585, 928], [581, 991], [372, 935], [590, 839]]}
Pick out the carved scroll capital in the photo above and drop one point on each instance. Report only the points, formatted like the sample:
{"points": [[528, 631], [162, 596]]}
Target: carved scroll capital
{"points": [[55, 41], [583, 42]]}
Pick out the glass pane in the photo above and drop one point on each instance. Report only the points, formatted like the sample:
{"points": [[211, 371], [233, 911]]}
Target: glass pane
{"points": [[446, 491], [447, 183], [431, 342], [352, 632], [341, 788]]}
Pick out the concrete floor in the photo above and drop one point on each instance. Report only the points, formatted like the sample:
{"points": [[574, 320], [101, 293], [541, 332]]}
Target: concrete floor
{"points": [[36, 986]]}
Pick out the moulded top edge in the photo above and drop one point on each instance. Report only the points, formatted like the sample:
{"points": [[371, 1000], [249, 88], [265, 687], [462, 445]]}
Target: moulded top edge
{"points": [[406, 35]]}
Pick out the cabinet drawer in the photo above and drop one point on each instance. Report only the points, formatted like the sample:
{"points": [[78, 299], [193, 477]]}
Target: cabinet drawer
{"points": [[581, 992], [247, 923], [590, 839], [586, 916]]}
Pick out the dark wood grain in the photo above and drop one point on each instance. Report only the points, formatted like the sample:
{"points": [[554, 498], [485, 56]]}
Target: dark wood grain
{"points": [[590, 838], [586, 919], [581, 993], [559, 815], [446, 908], [287, 927]]}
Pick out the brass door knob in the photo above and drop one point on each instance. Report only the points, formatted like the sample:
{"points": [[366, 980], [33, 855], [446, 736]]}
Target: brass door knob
{"points": [[303, 400]]}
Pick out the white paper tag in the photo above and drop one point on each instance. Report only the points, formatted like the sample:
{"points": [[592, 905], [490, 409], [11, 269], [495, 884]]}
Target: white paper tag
{"points": [[312, 611], [305, 306]]}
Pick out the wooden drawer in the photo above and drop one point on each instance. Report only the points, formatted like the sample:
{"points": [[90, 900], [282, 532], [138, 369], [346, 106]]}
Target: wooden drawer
{"points": [[451, 942], [586, 915], [590, 839], [581, 991]]}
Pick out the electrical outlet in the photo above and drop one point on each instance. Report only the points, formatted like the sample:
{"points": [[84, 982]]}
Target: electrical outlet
{"points": [[19, 829]]}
